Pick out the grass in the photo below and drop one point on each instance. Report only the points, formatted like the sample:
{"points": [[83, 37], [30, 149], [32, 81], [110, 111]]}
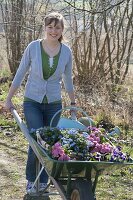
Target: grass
{"points": [[4, 72], [114, 184]]}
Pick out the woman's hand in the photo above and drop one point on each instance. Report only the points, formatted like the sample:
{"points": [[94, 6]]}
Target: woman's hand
{"points": [[8, 103]]}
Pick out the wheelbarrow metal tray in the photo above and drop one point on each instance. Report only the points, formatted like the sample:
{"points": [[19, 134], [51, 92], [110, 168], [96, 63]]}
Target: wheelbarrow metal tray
{"points": [[48, 162], [73, 177], [75, 166]]}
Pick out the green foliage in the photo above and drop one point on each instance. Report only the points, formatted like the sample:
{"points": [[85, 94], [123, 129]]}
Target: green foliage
{"points": [[4, 72], [7, 122], [4, 88]]}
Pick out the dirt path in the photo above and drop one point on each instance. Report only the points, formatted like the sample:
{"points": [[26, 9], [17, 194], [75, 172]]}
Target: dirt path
{"points": [[12, 178], [12, 167]]}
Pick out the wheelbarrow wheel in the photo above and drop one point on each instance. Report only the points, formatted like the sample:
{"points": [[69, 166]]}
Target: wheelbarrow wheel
{"points": [[82, 190]]}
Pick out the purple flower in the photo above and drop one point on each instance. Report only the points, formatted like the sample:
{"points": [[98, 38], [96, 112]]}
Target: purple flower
{"points": [[123, 157], [118, 147]]}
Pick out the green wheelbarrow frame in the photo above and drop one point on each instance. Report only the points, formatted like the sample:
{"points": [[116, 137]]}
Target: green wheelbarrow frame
{"points": [[68, 177]]}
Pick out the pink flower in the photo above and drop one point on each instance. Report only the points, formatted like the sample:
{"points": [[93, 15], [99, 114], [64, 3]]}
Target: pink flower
{"points": [[96, 149], [92, 135], [55, 152], [61, 151], [57, 145], [103, 150], [106, 148], [64, 157], [91, 139], [99, 146], [97, 139]]}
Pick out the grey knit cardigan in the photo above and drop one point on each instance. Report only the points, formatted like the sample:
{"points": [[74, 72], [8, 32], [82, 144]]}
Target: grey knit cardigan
{"points": [[36, 87]]}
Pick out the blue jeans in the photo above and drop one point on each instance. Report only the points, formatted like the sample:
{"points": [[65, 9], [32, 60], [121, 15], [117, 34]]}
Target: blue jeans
{"points": [[38, 115]]}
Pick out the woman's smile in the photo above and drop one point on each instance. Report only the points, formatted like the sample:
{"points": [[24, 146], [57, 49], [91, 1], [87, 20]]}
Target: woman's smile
{"points": [[54, 31]]}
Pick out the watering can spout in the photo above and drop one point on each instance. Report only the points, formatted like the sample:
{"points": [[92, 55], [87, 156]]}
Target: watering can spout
{"points": [[114, 131]]}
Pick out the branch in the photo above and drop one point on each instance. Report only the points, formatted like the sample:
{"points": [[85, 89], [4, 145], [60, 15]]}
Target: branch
{"points": [[93, 11], [1, 1]]}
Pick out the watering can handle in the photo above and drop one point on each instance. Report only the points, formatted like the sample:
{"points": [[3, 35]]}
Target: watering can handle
{"points": [[73, 117]]}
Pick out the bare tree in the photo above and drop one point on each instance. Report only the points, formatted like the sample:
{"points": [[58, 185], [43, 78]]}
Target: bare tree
{"points": [[100, 33], [102, 40], [22, 22]]}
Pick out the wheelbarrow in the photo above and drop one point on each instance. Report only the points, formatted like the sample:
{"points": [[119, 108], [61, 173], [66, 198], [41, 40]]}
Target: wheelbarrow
{"points": [[74, 179]]}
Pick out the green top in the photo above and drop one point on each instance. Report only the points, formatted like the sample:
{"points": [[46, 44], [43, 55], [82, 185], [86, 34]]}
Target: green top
{"points": [[47, 70]]}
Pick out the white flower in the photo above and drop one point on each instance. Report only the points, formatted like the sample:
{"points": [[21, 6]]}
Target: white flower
{"points": [[66, 140], [72, 131], [85, 134]]}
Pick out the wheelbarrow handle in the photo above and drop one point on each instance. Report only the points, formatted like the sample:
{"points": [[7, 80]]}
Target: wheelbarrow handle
{"points": [[25, 130], [20, 122], [71, 108]]}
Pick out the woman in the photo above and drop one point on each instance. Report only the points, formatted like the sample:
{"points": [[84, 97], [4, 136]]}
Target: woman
{"points": [[48, 61]]}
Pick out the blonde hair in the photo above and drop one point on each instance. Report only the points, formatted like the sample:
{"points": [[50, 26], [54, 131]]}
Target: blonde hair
{"points": [[57, 18]]}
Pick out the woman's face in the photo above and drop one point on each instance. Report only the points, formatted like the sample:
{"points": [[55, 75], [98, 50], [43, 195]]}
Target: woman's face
{"points": [[53, 32]]}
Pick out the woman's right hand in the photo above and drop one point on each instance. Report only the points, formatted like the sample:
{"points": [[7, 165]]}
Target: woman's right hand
{"points": [[8, 105]]}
